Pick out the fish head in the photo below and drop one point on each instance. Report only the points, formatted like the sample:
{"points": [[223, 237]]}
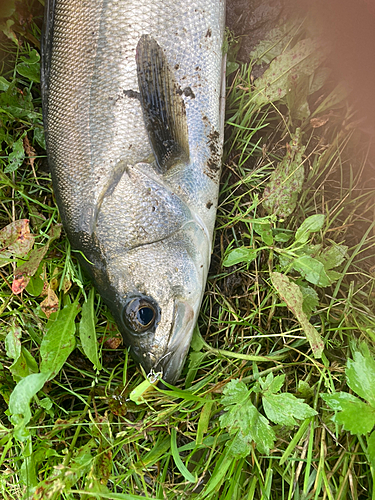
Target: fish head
{"points": [[157, 295]]}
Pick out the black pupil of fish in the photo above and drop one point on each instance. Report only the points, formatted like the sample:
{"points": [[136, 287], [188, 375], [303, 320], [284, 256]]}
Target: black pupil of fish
{"points": [[145, 315]]}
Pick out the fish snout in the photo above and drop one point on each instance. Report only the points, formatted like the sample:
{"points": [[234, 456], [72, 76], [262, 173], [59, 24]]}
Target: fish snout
{"points": [[169, 365]]}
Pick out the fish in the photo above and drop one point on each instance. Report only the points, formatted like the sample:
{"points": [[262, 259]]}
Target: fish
{"points": [[133, 105]]}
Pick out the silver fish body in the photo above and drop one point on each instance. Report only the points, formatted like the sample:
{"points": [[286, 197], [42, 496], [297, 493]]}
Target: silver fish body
{"points": [[131, 106]]}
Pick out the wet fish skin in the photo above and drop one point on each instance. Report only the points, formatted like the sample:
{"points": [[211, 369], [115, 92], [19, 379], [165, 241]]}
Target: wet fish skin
{"points": [[131, 106]]}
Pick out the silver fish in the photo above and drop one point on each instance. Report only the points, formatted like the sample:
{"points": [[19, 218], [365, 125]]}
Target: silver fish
{"points": [[133, 124]]}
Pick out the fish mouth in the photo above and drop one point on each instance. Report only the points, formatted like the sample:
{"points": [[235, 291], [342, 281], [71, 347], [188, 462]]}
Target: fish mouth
{"points": [[170, 364]]}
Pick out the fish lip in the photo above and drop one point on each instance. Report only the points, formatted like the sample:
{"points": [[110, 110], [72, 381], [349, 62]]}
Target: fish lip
{"points": [[172, 361]]}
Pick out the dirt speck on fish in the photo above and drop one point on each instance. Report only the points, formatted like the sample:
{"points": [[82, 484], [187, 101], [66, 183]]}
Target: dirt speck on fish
{"points": [[131, 106]]}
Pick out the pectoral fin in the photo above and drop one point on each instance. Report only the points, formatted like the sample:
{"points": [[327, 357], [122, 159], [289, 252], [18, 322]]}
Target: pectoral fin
{"points": [[163, 108]]}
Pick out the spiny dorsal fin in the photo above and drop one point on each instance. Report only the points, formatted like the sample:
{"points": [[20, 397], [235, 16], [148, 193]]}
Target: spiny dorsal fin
{"points": [[163, 108]]}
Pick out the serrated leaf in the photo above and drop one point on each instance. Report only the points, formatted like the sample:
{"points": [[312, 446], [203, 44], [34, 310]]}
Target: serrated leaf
{"points": [[244, 420], [284, 408], [281, 192], [19, 401], [312, 224], [272, 384], [353, 414], [235, 392], [293, 298], [87, 332], [312, 270], [239, 255], [360, 374], [59, 340]]}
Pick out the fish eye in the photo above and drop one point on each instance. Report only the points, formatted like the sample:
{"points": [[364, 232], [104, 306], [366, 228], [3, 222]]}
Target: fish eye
{"points": [[140, 315]]}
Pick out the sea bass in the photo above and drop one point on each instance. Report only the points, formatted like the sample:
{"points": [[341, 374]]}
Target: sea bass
{"points": [[133, 124]]}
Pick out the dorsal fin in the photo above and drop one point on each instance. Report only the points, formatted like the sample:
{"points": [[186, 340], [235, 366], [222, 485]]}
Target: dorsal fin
{"points": [[163, 108]]}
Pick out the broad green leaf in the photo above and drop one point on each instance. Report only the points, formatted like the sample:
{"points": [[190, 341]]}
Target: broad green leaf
{"points": [[333, 275], [312, 270], [16, 157], [292, 296], [264, 231], [282, 237], [310, 299], [30, 67], [87, 332], [35, 285], [281, 192], [4, 84], [6, 28], [239, 255], [353, 414], [284, 408], [196, 342], [13, 342], [23, 366], [19, 401], [318, 79], [312, 224], [275, 41], [360, 374], [46, 403], [305, 57], [333, 256], [371, 449], [59, 340], [7, 8], [336, 99], [296, 96], [39, 137], [231, 67]]}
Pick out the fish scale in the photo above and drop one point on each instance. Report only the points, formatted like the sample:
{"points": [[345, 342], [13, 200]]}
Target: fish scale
{"points": [[145, 227]]}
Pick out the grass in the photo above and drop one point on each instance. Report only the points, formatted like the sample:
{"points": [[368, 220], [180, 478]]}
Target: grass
{"points": [[223, 432]]}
